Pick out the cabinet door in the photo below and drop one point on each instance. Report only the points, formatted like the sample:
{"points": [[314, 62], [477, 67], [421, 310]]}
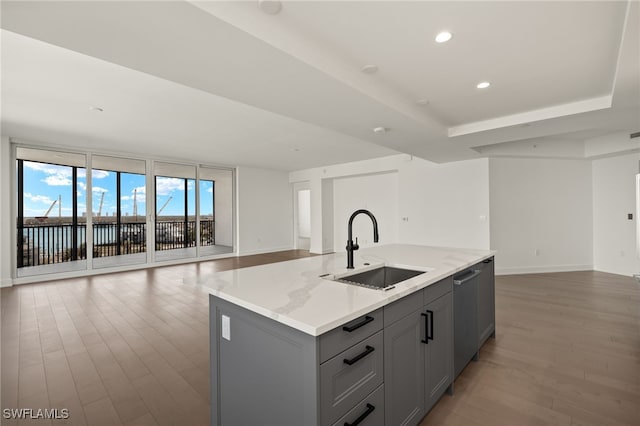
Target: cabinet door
{"points": [[404, 367], [439, 350], [486, 301]]}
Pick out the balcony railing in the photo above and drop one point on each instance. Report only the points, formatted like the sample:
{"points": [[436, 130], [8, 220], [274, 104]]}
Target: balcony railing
{"points": [[180, 234], [113, 239], [45, 244], [49, 244]]}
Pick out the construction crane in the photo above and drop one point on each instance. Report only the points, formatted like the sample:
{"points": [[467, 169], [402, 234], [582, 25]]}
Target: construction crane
{"points": [[135, 202], [46, 214], [101, 203], [165, 205]]}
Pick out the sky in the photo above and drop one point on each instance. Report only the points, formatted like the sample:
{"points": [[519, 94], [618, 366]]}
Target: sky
{"points": [[44, 183]]}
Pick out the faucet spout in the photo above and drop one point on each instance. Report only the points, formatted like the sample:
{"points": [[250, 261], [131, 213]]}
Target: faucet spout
{"points": [[351, 246]]}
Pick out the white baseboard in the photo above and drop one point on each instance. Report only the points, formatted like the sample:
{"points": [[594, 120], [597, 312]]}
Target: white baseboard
{"points": [[267, 250], [6, 282], [518, 270]]}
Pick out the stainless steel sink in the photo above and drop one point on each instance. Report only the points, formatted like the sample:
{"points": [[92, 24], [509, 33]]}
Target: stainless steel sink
{"points": [[382, 278]]}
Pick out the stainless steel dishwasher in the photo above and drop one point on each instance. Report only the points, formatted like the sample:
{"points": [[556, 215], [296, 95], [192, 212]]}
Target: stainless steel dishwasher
{"points": [[465, 322]]}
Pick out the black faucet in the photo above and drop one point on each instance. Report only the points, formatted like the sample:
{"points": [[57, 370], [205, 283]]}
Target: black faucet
{"points": [[351, 246]]}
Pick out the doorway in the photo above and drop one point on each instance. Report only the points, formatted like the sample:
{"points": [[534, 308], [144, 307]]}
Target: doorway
{"points": [[302, 215]]}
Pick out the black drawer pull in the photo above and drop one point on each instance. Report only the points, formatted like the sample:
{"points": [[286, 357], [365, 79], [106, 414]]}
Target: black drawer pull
{"points": [[357, 358], [430, 335], [363, 416], [426, 328], [487, 260], [354, 327]]}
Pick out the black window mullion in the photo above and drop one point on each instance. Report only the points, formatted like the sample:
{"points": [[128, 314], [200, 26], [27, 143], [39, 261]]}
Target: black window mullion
{"points": [[20, 213], [185, 235], [118, 215], [74, 214]]}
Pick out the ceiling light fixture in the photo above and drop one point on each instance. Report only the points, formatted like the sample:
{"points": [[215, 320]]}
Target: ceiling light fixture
{"points": [[270, 7], [483, 85], [370, 69], [95, 108], [444, 37], [380, 129]]}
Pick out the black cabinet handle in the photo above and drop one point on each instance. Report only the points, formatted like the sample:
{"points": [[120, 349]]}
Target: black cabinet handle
{"points": [[358, 357], [487, 260], [426, 328], [430, 335], [363, 416], [354, 327]]}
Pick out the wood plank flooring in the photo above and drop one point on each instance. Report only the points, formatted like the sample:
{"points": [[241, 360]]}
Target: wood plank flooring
{"points": [[567, 352], [132, 348]]}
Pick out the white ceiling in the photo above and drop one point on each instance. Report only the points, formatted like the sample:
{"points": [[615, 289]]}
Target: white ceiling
{"points": [[237, 86]]}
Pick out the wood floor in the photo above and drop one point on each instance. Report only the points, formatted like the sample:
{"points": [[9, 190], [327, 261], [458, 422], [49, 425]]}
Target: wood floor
{"points": [[567, 352], [132, 348]]}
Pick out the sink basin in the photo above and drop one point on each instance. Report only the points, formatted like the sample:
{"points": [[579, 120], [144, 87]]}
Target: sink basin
{"points": [[380, 278]]}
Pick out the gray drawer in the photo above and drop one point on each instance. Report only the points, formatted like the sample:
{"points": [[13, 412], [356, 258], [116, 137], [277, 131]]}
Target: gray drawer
{"points": [[375, 416], [344, 385], [437, 289], [337, 340], [402, 307]]}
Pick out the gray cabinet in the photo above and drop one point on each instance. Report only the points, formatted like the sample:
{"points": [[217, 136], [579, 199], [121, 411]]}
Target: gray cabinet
{"points": [[486, 301], [388, 367], [418, 351], [439, 350], [262, 372], [349, 377], [404, 370]]}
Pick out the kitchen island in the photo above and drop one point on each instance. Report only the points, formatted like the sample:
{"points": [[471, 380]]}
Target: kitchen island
{"points": [[291, 346]]}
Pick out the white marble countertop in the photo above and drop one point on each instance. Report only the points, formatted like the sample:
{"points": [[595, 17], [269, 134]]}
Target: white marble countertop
{"points": [[293, 293]]}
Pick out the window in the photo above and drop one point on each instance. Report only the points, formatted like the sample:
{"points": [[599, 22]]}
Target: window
{"points": [[216, 210], [69, 221], [175, 219], [119, 218], [51, 222]]}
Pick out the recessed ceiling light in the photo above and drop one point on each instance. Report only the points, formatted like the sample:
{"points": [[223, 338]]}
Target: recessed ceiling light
{"points": [[380, 129], [443, 37], [370, 69], [270, 7], [483, 85], [422, 102], [95, 108]]}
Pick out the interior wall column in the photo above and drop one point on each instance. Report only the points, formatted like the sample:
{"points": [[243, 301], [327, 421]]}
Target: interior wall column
{"points": [[321, 216]]}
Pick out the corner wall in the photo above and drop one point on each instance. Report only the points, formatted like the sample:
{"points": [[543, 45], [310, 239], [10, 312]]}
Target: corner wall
{"points": [[445, 205], [614, 197], [265, 211], [541, 215], [6, 222]]}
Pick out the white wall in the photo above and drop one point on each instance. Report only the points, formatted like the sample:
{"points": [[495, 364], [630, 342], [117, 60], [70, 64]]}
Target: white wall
{"points": [[614, 196], [544, 205], [377, 193], [445, 204], [6, 221], [265, 211]]}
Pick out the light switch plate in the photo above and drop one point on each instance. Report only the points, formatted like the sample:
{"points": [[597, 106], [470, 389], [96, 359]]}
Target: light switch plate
{"points": [[226, 327]]}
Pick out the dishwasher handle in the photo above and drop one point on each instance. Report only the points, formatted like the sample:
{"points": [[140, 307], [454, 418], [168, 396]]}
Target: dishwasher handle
{"points": [[475, 273]]}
